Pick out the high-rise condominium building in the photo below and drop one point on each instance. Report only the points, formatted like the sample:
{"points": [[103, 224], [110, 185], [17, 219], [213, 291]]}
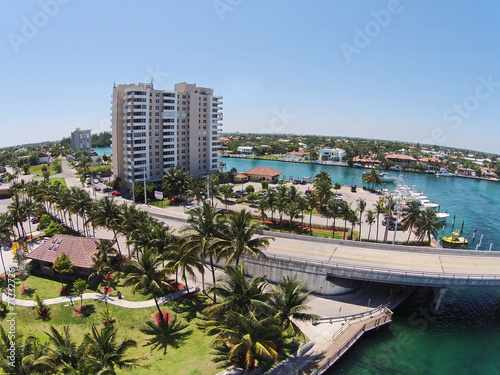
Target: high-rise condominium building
{"points": [[80, 140], [154, 130]]}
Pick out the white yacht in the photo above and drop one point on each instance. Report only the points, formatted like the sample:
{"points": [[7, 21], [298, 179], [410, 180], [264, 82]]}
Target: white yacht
{"points": [[443, 172], [385, 177]]}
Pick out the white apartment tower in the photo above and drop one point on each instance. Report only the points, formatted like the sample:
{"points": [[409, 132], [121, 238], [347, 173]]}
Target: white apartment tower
{"points": [[80, 140], [154, 130]]}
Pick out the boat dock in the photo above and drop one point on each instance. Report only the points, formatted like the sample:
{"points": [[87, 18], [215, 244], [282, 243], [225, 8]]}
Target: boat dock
{"points": [[316, 359]]}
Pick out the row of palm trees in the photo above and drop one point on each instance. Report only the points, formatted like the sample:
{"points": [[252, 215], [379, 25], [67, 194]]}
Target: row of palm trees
{"points": [[98, 353], [255, 321]]}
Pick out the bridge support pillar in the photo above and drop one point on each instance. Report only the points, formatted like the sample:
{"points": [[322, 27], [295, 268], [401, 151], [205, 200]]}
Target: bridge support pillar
{"points": [[439, 297]]}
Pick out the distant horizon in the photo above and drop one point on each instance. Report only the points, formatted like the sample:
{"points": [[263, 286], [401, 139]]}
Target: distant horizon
{"points": [[296, 135]]}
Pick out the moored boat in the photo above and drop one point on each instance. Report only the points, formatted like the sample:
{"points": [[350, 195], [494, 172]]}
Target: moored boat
{"points": [[454, 240], [445, 173]]}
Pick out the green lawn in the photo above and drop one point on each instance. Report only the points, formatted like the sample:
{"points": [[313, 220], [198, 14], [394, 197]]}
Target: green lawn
{"points": [[36, 170], [193, 355], [61, 180], [45, 288], [161, 204]]}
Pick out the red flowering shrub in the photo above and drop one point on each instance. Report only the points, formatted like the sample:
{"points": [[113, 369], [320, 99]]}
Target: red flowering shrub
{"points": [[164, 319]]}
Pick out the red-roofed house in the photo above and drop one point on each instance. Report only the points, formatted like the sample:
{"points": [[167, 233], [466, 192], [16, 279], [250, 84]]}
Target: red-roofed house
{"points": [[79, 249], [263, 174], [401, 159]]}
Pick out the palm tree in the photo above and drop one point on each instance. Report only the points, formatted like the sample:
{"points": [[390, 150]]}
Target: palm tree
{"points": [[63, 348], [239, 293], [370, 219], [323, 190], [353, 219], [104, 349], [281, 204], [175, 181], [107, 214], [334, 211], [312, 202], [164, 335], [293, 211], [147, 274], [6, 234], [302, 205], [226, 191], [17, 213], [248, 337], [187, 259], [361, 209], [379, 209], [239, 237], [389, 210], [289, 301], [271, 200], [411, 214], [204, 226], [427, 225], [345, 209]]}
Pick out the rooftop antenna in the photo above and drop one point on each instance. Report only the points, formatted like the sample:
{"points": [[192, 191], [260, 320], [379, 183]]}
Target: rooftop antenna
{"points": [[114, 84], [151, 80]]}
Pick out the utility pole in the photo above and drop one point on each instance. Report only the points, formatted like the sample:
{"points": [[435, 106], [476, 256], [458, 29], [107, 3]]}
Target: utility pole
{"points": [[144, 176]]}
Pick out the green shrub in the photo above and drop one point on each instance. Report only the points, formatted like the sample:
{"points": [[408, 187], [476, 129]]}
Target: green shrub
{"points": [[44, 222], [240, 200]]}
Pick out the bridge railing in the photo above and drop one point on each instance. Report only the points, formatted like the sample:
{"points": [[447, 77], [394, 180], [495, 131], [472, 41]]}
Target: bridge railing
{"points": [[385, 271], [347, 318]]}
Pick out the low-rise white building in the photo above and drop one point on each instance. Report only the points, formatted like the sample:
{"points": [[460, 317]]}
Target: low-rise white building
{"points": [[246, 150], [336, 154]]}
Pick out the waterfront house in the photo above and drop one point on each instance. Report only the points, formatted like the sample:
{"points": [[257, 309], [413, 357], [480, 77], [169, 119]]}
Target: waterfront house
{"points": [[365, 162], [466, 172], [246, 150], [401, 159], [335, 154], [262, 174], [79, 250]]}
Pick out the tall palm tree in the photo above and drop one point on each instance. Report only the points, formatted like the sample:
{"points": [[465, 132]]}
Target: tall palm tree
{"points": [[239, 293], [334, 211], [187, 260], [293, 211], [271, 200], [427, 225], [6, 234], [302, 205], [312, 202], [353, 219], [63, 348], [263, 207], [389, 210], [175, 181], [370, 219], [361, 209], [345, 209], [147, 274], [106, 350], [248, 337], [289, 301], [204, 226], [239, 237], [17, 214], [379, 209], [107, 214], [226, 192], [411, 214], [323, 190], [281, 204]]}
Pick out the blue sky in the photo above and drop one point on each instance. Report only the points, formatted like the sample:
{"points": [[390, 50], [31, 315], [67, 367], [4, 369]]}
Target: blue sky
{"points": [[426, 71]]}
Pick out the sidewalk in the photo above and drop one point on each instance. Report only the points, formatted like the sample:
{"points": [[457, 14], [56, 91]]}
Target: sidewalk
{"points": [[102, 298]]}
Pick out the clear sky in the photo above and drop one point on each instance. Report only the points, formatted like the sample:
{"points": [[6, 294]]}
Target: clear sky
{"points": [[426, 70]]}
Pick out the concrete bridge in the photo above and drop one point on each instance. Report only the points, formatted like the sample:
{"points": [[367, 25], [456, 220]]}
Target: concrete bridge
{"points": [[323, 263]]}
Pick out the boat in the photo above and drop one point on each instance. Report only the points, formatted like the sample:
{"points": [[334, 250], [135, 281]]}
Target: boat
{"points": [[397, 168], [455, 239], [443, 172], [442, 216], [357, 165], [385, 177]]}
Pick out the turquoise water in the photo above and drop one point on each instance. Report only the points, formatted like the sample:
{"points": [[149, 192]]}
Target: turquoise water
{"points": [[476, 202], [463, 337], [100, 151]]}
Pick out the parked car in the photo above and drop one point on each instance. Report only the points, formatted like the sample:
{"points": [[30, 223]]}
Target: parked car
{"points": [[392, 221], [97, 188], [396, 226], [35, 220], [116, 193], [106, 190], [164, 224]]}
